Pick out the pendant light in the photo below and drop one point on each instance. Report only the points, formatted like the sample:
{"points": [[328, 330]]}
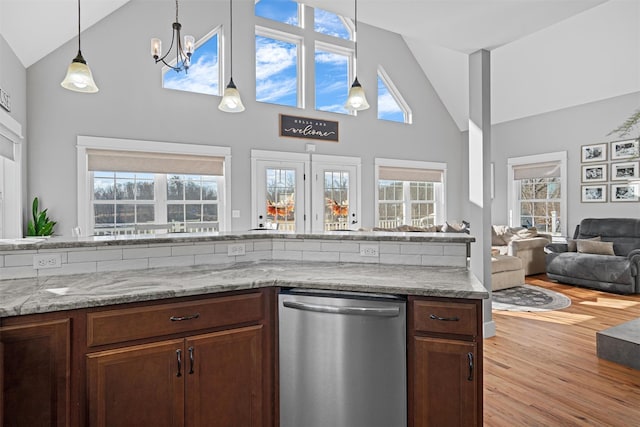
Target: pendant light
{"points": [[231, 102], [79, 77], [357, 100], [183, 51]]}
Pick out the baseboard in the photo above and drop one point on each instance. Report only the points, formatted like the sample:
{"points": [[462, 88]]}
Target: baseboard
{"points": [[489, 329]]}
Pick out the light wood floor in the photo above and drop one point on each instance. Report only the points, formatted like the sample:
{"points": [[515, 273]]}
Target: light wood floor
{"points": [[541, 369]]}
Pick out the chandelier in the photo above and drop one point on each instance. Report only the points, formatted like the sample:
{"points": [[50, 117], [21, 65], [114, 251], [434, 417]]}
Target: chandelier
{"points": [[183, 51]]}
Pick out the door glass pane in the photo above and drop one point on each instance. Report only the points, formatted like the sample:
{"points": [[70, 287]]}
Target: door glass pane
{"points": [[336, 200], [281, 183]]}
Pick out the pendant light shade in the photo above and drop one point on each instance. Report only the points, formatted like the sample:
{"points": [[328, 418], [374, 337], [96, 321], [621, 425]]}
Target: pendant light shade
{"points": [[79, 77], [357, 99], [231, 101]]}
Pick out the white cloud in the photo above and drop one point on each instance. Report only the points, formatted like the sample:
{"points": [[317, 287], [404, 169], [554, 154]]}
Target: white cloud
{"points": [[271, 90], [387, 104], [201, 78], [333, 108], [273, 57], [323, 57], [329, 23]]}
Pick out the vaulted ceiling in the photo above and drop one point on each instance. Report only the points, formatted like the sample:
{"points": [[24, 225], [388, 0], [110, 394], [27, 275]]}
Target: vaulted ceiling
{"points": [[441, 33]]}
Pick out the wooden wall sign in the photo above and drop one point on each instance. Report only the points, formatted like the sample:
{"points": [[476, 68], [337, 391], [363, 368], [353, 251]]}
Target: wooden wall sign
{"points": [[308, 128]]}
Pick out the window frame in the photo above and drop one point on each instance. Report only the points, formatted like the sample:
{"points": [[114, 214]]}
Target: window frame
{"points": [[336, 49], [84, 176], [397, 96], [513, 186], [440, 191]]}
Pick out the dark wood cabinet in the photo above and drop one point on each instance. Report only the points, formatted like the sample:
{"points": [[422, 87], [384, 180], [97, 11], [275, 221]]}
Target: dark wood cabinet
{"points": [[445, 362], [35, 374], [219, 378]]}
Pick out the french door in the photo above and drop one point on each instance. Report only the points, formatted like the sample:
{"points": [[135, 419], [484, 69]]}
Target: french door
{"points": [[335, 188]]}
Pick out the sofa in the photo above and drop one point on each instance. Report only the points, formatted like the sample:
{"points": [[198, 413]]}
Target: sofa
{"points": [[604, 254], [525, 243]]}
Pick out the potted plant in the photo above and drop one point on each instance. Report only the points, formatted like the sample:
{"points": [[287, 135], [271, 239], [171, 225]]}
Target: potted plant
{"points": [[628, 126], [40, 225]]}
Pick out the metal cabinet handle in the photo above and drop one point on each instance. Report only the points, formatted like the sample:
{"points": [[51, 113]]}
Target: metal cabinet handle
{"points": [[470, 359], [191, 360], [179, 356], [187, 317], [444, 319], [364, 311]]}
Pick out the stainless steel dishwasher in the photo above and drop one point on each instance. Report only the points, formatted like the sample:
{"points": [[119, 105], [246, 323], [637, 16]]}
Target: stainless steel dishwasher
{"points": [[342, 359]]}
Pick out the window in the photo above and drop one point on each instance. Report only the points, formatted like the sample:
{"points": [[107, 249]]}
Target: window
{"points": [[285, 11], [391, 106], [175, 187], [204, 74], [409, 193], [280, 73], [329, 23], [536, 193], [332, 79], [277, 78]]}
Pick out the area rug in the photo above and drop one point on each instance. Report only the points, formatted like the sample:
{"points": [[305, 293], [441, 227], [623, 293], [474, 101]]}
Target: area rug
{"points": [[528, 298]]}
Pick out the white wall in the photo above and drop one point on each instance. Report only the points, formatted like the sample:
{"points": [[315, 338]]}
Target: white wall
{"points": [[132, 104]]}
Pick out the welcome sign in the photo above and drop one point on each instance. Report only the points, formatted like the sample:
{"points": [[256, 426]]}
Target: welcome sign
{"points": [[308, 128]]}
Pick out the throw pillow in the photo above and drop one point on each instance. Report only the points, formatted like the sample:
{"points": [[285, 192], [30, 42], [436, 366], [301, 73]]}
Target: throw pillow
{"points": [[595, 247], [454, 228], [572, 246], [526, 233]]}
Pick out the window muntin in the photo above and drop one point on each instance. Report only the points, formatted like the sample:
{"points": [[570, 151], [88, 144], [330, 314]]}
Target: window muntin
{"points": [[332, 79], [331, 24], [203, 75], [192, 198], [336, 200], [277, 78], [285, 11], [540, 201], [281, 188], [406, 203]]}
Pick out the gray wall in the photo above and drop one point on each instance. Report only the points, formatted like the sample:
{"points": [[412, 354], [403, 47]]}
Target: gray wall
{"points": [[13, 79], [132, 104], [563, 130]]}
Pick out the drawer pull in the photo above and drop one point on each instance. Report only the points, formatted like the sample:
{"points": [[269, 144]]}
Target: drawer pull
{"points": [[181, 318], [179, 356], [470, 358], [444, 319]]}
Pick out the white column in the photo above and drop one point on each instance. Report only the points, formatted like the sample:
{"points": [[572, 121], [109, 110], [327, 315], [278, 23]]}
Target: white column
{"points": [[480, 174]]}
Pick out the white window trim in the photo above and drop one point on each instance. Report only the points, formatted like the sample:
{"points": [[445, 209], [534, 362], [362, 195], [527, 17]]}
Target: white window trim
{"points": [[512, 190], [395, 93], [11, 180], [440, 191], [85, 217]]}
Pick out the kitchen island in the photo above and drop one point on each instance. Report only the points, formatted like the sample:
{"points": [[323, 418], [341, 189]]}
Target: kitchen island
{"points": [[153, 336]]}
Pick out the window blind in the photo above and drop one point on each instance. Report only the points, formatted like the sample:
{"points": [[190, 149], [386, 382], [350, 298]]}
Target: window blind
{"points": [[139, 161], [537, 170], [409, 174]]}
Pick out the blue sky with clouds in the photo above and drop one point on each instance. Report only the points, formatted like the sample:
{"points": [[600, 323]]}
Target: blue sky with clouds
{"points": [[277, 66]]}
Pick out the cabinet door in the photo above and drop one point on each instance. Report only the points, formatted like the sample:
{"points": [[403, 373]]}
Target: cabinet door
{"points": [[224, 388], [137, 386], [445, 392], [34, 372]]}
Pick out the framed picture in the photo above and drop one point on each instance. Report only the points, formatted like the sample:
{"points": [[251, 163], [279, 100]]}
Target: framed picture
{"points": [[624, 171], [594, 152], [594, 193], [594, 173], [624, 193], [625, 149]]}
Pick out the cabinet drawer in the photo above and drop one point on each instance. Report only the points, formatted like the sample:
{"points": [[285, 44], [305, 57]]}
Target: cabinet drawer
{"points": [[445, 317], [113, 326]]}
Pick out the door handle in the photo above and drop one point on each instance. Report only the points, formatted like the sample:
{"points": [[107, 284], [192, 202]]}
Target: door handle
{"points": [[333, 309]]}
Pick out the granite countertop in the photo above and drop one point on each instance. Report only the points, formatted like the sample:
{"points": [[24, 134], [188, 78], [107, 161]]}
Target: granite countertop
{"points": [[56, 293], [34, 243]]}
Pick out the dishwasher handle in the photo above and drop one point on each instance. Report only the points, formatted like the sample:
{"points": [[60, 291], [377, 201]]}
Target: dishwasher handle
{"points": [[393, 311]]}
